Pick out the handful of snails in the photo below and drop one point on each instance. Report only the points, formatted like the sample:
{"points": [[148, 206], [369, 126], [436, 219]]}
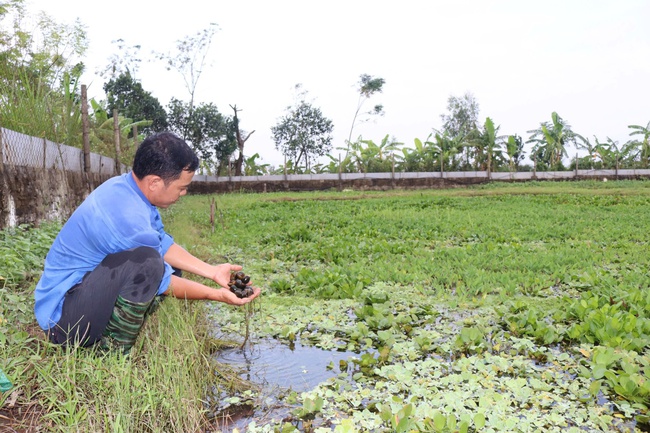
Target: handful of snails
{"points": [[239, 284]]}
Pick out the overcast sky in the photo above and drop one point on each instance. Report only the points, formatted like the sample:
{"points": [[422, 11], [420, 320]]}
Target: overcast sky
{"points": [[588, 60]]}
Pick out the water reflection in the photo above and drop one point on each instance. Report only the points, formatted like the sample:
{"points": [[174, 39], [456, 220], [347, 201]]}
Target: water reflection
{"points": [[272, 364], [277, 369]]}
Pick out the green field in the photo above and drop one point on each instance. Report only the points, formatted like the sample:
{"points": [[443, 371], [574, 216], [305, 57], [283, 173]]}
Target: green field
{"points": [[498, 308], [507, 307]]}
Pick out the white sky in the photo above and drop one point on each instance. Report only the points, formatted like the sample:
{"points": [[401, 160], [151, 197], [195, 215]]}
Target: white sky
{"points": [[588, 60]]}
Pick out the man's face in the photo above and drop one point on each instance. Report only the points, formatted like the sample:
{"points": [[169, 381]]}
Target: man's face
{"points": [[166, 195]]}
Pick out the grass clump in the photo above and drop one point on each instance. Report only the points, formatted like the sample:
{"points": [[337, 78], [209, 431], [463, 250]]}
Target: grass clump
{"points": [[161, 387]]}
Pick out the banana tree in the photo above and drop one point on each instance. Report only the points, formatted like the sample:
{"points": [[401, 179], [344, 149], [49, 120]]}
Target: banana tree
{"points": [[448, 148], [422, 157], [102, 136], [251, 168], [551, 140], [289, 168], [592, 156], [374, 157], [487, 147], [608, 152], [643, 145], [515, 151], [338, 165]]}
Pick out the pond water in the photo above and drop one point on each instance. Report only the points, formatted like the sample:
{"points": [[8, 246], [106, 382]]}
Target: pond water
{"points": [[277, 369], [270, 363]]}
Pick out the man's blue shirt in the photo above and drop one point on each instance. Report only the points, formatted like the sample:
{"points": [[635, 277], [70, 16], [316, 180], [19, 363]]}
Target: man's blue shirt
{"points": [[115, 217]]}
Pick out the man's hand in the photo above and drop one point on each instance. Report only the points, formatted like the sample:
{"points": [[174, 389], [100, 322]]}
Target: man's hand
{"points": [[230, 298], [222, 273], [188, 289]]}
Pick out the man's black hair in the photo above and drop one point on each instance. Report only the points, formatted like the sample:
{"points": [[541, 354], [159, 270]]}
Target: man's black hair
{"points": [[166, 155]]}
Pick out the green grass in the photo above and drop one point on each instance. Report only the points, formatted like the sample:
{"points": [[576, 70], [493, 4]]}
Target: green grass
{"points": [[515, 307], [498, 275], [448, 242]]}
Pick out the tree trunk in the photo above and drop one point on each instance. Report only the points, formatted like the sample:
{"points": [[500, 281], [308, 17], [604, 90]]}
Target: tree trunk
{"points": [[240, 143]]}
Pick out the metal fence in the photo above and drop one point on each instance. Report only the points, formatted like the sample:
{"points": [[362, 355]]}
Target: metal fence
{"points": [[19, 149], [451, 175]]}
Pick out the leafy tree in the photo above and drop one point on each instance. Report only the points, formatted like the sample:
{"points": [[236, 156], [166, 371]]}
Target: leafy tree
{"points": [[631, 154], [367, 87], [595, 153], [336, 164], [605, 154], [189, 59], [126, 62], [461, 121], [551, 140], [462, 118], [211, 134], [39, 74], [304, 133], [126, 95], [289, 167], [46, 54]]}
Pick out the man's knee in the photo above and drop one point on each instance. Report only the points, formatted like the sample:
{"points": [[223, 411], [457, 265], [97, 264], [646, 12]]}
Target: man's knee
{"points": [[142, 254], [149, 257]]}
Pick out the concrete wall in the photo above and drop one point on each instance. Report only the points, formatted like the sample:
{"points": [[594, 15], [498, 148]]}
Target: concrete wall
{"points": [[41, 180], [30, 195], [385, 181]]}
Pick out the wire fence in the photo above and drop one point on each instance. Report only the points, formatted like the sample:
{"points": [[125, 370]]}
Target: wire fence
{"points": [[450, 175], [23, 150]]}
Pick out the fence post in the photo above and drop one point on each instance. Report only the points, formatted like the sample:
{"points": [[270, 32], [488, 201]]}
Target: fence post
{"points": [[576, 175], [135, 137], [489, 166], [85, 128], [116, 138], [45, 155], [4, 188], [340, 175]]}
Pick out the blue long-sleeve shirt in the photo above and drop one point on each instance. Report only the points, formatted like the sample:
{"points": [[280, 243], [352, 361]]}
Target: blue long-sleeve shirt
{"points": [[115, 217]]}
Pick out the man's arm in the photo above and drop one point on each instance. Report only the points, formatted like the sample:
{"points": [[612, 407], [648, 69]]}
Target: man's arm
{"points": [[180, 258], [183, 288]]}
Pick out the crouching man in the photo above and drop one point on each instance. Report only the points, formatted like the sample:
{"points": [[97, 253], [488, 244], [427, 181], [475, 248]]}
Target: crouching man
{"points": [[113, 261]]}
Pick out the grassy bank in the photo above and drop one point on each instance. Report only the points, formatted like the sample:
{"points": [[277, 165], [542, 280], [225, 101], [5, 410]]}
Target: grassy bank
{"points": [[160, 387]]}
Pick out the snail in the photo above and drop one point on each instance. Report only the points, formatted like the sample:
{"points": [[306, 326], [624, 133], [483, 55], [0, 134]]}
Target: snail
{"points": [[239, 284]]}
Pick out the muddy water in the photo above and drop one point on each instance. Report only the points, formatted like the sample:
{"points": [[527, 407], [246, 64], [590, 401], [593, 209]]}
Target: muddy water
{"points": [[277, 369]]}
